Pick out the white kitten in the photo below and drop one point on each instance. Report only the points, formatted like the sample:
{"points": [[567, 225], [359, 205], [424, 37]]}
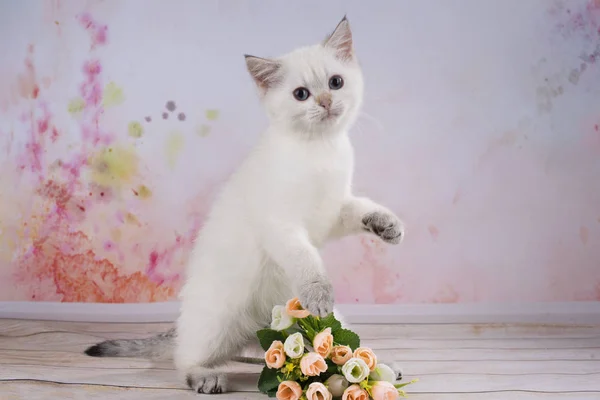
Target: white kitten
{"points": [[260, 244]]}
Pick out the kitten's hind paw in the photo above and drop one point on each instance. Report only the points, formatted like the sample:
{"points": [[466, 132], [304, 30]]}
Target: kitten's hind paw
{"points": [[207, 382], [397, 370]]}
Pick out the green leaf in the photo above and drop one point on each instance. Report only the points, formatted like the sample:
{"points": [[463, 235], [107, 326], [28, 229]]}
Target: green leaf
{"points": [[272, 393], [268, 336], [268, 380], [346, 337], [330, 322], [401, 385], [331, 367]]}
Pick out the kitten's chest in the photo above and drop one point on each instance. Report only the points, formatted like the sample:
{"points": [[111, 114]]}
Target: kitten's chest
{"points": [[325, 181]]}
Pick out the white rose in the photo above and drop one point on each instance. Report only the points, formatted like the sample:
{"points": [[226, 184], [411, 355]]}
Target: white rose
{"points": [[355, 370], [294, 345], [383, 373], [337, 384], [280, 319]]}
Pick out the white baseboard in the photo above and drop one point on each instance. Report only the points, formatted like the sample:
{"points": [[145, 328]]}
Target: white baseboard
{"points": [[581, 313]]}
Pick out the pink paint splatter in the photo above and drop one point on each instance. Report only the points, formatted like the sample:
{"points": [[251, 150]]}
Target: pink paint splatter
{"points": [[457, 196], [383, 286], [98, 32], [583, 21], [446, 295], [584, 234], [433, 231]]}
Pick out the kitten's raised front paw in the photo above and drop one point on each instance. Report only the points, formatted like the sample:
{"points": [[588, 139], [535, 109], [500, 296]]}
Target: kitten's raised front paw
{"points": [[317, 297], [207, 383], [385, 225]]}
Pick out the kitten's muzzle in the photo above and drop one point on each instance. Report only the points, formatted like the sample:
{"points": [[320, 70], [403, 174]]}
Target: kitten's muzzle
{"points": [[324, 100]]}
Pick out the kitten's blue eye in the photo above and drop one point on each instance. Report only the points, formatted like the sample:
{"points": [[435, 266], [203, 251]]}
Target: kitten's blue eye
{"points": [[301, 94], [336, 82]]}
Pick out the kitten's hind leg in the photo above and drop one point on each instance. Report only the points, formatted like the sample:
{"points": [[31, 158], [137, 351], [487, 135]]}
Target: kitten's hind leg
{"points": [[206, 341]]}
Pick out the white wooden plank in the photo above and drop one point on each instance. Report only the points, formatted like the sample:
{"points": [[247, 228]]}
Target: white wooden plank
{"points": [[413, 368], [405, 355], [68, 341], [423, 368], [444, 383], [160, 379], [48, 390]]}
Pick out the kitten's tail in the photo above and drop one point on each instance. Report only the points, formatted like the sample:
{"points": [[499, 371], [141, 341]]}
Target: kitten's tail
{"points": [[158, 347]]}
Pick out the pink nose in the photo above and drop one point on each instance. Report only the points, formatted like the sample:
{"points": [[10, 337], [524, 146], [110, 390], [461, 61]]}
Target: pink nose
{"points": [[325, 101]]}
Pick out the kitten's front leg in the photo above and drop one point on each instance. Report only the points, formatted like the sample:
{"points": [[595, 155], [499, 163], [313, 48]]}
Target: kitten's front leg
{"points": [[359, 214], [292, 250]]}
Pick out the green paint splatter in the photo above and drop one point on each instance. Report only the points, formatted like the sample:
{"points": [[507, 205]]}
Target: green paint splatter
{"points": [[174, 145], [113, 95], [76, 105], [203, 130], [212, 115], [135, 129]]}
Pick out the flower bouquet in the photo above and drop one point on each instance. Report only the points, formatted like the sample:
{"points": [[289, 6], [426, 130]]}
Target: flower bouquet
{"points": [[312, 358]]}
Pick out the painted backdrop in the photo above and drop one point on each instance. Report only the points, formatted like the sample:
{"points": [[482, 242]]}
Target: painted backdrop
{"points": [[120, 119]]}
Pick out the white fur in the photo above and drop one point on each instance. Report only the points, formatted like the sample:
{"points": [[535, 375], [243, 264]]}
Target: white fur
{"points": [[260, 244]]}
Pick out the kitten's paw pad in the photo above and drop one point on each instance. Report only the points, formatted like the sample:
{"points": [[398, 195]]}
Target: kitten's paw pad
{"points": [[207, 384], [387, 226], [317, 297]]}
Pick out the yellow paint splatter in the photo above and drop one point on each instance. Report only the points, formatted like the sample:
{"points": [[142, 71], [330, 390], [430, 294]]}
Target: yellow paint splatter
{"points": [[212, 115], [113, 95], [174, 146], [114, 166], [76, 105], [203, 130], [135, 129], [132, 219], [144, 192], [116, 235]]}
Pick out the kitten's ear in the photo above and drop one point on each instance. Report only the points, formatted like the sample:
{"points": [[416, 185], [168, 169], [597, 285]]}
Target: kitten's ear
{"points": [[341, 41], [265, 72]]}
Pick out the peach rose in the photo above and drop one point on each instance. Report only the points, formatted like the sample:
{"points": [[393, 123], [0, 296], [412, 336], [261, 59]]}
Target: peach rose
{"points": [[323, 343], [295, 309], [275, 356], [318, 391], [312, 364], [367, 355], [354, 392], [383, 390], [289, 390], [341, 354]]}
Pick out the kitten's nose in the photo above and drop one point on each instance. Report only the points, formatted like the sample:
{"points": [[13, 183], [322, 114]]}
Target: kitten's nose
{"points": [[324, 100]]}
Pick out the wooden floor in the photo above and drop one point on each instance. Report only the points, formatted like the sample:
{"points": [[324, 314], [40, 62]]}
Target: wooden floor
{"points": [[44, 360]]}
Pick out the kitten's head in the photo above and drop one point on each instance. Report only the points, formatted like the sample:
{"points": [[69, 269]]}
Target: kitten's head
{"points": [[314, 90]]}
